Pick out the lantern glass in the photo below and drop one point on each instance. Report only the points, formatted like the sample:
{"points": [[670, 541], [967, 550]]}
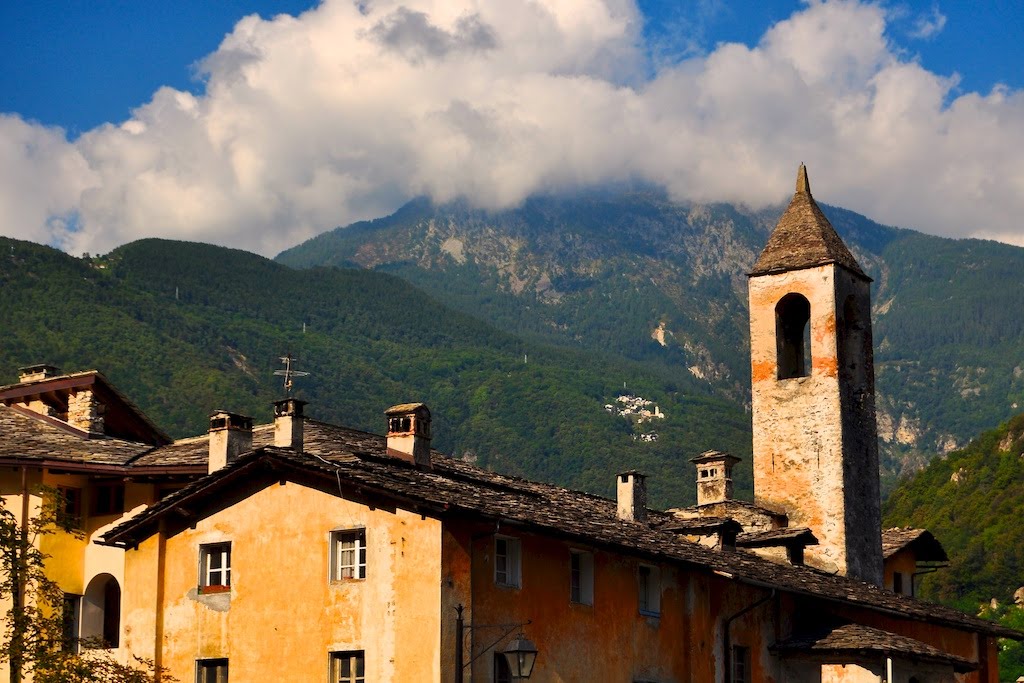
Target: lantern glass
{"points": [[521, 655]]}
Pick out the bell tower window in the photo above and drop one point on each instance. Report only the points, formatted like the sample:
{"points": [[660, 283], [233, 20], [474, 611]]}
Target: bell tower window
{"points": [[793, 336]]}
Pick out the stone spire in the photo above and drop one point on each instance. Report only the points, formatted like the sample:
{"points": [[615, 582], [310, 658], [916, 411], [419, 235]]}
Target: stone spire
{"points": [[804, 238]]}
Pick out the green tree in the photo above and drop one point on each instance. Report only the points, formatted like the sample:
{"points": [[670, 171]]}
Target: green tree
{"points": [[34, 640]]}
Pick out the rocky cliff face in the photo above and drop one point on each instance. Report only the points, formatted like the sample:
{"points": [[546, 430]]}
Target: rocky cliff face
{"points": [[664, 283]]}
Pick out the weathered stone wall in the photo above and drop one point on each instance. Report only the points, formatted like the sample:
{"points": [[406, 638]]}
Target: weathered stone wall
{"points": [[85, 412], [815, 456], [860, 432]]}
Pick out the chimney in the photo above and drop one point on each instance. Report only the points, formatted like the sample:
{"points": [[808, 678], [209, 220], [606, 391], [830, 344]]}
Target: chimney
{"points": [[34, 373], [409, 433], [632, 496], [230, 436], [714, 476], [288, 422], [84, 411]]}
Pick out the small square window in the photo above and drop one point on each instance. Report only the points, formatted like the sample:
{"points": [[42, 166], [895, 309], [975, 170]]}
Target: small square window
{"points": [[649, 590], [108, 499], [348, 555], [581, 577], [507, 561], [348, 667], [212, 671], [215, 567]]}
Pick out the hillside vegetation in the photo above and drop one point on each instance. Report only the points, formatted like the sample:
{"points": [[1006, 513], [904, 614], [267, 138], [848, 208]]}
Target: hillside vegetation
{"points": [[663, 283], [973, 502], [184, 329]]}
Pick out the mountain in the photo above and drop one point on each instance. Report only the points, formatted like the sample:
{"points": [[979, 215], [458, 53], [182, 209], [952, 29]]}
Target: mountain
{"points": [[973, 501], [663, 283], [184, 329]]}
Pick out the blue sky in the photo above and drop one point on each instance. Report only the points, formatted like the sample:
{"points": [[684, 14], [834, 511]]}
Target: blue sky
{"points": [[223, 121], [80, 63]]}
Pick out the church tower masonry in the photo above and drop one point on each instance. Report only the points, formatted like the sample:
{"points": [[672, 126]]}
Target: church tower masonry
{"points": [[813, 390]]}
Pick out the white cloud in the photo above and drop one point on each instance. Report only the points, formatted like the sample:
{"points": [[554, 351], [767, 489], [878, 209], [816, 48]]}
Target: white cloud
{"points": [[928, 25], [345, 112]]}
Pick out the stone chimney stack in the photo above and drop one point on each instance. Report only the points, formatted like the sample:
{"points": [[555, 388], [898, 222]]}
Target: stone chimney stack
{"points": [[631, 493], [84, 411], [409, 433], [714, 476], [230, 436], [288, 423], [33, 373]]}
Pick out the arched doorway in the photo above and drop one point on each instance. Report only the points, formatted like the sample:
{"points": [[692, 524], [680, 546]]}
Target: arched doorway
{"points": [[101, 612]]}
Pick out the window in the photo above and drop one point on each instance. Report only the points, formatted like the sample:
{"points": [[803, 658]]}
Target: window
{"points": [[793, 336], [506, 561], [348, 555], [649, 590], [69, 622], [70, 506], [348, 667], [502, 673], [581, 577], [108, 499], [212, 671], [897, 582], [214, 567], [740, 664]]}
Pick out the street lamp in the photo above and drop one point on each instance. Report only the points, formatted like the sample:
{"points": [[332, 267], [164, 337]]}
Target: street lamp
{"points": [[521, 653]]}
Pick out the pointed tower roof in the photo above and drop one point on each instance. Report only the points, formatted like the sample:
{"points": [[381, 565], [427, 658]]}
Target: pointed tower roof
{"points": [[804, 238]]}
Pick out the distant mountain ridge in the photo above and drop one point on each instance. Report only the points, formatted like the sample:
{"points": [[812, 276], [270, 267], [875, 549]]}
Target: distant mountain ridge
{"points": [[184, 329], [663, 283]]}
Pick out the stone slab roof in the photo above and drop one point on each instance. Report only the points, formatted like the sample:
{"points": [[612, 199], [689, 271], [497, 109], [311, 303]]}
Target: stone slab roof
{"points": [[132, 421], [854, 639], [789, 536], [804, 238], [28, 436], [348, 462], [925, 546], [319, 438]]}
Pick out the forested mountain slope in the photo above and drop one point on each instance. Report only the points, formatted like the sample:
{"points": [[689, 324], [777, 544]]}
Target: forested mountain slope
{"points": [[184, 329], [663, 283], [972, 501]]}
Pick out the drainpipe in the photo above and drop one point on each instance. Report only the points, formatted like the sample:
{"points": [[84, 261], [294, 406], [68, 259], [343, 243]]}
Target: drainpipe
{"points": [[888, 670], [727, 641]]}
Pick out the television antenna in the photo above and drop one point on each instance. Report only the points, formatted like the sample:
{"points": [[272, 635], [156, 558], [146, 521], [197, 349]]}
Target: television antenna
{"points": [[289, 373]]}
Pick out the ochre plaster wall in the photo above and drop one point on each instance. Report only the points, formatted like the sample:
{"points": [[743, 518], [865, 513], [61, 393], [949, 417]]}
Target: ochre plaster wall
{"points": [[283, 616], [609, 640], [852, 673], [904, 562]]}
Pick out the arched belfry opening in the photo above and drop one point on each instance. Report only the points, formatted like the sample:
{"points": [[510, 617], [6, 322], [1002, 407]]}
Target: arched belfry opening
{"points": [[101, 612], [793, 336]]}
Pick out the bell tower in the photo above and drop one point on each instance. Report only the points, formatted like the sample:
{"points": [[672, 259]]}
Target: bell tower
{"points": [[813, 389]]}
